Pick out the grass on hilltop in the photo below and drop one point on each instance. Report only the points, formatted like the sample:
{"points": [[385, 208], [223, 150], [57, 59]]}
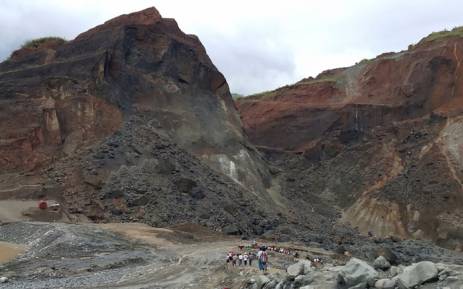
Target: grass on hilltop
{"points": [[264, 94], [455, 32], [36, 43]]}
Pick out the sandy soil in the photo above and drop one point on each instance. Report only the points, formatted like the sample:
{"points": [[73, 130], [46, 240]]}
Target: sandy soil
{"points": [[9, 251], [12, 210]]}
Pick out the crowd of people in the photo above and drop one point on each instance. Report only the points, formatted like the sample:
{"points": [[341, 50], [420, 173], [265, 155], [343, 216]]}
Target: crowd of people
{"points": [[247, 255], [241, 259], [282, 250]]}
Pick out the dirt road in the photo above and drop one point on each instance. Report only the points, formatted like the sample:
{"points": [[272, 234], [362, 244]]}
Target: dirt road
{"points": [[12, 210], [26, 210]]}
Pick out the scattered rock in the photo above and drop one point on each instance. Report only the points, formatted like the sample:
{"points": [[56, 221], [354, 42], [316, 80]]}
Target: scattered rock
{"points": [[258, 282], [443, 274], [417, 274], [231, 229], [356, 274], [270, 285], [381, 263], [387, 253]]}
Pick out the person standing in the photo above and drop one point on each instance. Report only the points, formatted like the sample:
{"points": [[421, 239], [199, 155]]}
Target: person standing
{"points": [[245, 259], [229, 258], [240, 259], [262, 258]]}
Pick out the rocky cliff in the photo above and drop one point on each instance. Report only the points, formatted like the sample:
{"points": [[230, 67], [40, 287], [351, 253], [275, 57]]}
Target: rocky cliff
{"points": [[129, 120], [380, 140]]}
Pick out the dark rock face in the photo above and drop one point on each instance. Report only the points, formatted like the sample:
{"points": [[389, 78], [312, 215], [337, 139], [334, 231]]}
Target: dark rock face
{"points": [[80, 91], [381, 140], [131, 117]]}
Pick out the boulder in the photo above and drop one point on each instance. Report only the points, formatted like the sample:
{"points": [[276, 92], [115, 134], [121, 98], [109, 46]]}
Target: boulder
{"points": [[3, 279], [300, 268], [303, 280], [381, 263], [356, 274], [417, 274], [395, 270], [385, 283]]}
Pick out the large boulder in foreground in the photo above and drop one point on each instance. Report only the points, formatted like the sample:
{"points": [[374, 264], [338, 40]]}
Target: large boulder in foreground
{"points": [[417, 274], [302, 267], [386, 283], [356, 274]]}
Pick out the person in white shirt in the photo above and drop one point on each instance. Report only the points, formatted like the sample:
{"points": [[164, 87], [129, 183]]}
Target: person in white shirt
{"points": [[245, 259], [240, 259]]}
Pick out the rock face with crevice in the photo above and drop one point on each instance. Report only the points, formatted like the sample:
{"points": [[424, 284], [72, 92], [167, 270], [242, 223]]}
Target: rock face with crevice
{"points": [[380, 140]]}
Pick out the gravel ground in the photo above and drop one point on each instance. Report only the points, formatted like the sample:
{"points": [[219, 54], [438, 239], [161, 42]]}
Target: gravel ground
{"points": [[59, 255]]}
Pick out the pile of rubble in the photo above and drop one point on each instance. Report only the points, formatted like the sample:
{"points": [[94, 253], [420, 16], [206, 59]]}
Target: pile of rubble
{"points": [[359, 274]]}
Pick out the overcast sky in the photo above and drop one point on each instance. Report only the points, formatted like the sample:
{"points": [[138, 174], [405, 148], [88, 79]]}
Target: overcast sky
{"points": [[258, 45]]}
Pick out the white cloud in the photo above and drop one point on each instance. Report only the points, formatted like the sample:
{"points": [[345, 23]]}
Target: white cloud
{"points": [[258, 45]]}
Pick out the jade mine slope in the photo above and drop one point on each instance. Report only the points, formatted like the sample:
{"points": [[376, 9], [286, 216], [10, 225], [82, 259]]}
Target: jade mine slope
{"points": [[130, 120], [381, 140]]}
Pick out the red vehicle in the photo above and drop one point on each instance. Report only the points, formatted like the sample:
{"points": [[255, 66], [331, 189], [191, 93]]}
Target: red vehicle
{"points": [[43, 205]]}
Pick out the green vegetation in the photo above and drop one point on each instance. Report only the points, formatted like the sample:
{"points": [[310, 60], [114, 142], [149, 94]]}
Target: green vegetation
{"points": [[36, 43], [323, 77], [455, 32], [364, 61], [263, 94]]}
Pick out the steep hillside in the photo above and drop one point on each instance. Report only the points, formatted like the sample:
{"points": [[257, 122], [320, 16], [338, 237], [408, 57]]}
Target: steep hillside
{"points": [[380, 140], [130, 120]]}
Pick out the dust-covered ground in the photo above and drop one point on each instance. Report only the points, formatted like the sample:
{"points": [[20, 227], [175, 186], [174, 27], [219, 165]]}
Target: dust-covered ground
{"points": [[58, 255], [133, 255]]}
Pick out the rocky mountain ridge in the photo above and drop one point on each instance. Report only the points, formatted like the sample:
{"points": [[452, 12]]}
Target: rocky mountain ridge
{"points": [[129, 120], [380, 140]]}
